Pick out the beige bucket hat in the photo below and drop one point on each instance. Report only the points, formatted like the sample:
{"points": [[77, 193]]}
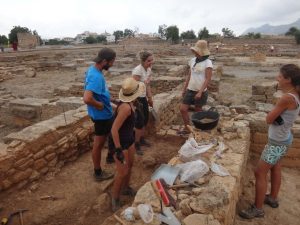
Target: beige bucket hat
{"points": [[201, 48], [131, 89]]}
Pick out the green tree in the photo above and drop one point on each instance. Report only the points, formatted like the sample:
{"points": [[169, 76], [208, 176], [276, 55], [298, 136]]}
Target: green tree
{"points": [[90, 40], [162, 30], [297, 36], [253, 35], [128, 33], [190, 34], [101, 39], [203, 34], [172, 33], [12, 36], [118, 34], [3, 39], [291, 32], [227, 33], [257, 36]]}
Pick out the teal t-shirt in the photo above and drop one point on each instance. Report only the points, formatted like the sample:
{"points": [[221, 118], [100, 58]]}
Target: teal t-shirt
{"points": [[95, 82]]}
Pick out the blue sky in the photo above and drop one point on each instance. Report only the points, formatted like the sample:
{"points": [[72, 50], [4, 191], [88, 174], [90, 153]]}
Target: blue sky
{"points": [[66, 18]]}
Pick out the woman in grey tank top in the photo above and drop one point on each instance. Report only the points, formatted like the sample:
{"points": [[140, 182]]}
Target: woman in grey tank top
{"points": [[281, 120]]}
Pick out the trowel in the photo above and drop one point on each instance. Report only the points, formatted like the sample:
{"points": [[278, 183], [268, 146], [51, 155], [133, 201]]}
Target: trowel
{"points": [[154, 114], [168, 217]]}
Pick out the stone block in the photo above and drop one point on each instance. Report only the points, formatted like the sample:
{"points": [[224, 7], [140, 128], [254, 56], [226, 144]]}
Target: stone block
{"points": [[40, 163], [21, 175]]}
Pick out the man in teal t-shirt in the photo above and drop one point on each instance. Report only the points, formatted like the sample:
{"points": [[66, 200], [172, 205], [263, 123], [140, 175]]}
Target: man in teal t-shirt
{"points": [[97, 98]]}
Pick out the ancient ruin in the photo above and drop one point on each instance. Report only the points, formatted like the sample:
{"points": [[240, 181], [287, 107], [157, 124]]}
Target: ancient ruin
{"points": [[46, 134]]}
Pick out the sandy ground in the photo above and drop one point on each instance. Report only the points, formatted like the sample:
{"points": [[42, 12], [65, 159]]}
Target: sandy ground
{"points": [[289, 199], [77, 190]]}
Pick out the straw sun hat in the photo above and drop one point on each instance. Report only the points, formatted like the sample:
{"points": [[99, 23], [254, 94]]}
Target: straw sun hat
{"points": [[201, 48], [131, 89]]}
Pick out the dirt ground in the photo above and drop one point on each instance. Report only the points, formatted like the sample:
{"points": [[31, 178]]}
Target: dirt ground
{"points": [[289, 199], [77, 190]]}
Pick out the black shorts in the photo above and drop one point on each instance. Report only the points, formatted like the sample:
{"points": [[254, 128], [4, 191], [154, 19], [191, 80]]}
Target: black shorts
{"points": [[125, 142], [103, 127], [189, 98], [142, 113]]}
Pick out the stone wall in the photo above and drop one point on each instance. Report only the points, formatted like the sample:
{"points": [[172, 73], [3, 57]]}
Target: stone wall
{"points": [[259, 138], [214, 201], [43, 147], [27, 111], [27, 40], [264, 92]]}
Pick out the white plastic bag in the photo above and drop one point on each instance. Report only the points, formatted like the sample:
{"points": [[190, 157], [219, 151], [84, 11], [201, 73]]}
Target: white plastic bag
{"points": [[192, 171], [219, 170], [190, 150], [146, 212]]}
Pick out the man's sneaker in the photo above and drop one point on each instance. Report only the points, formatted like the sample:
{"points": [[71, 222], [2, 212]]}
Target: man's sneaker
{"points": [[115, 204], [145, 143], [271, 202], [103, 176], [129, 191], [138, 149], [251, 212]]}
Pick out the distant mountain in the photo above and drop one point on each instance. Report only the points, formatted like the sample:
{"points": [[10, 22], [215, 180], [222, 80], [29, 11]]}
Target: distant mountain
{"points": [[275, 30]]}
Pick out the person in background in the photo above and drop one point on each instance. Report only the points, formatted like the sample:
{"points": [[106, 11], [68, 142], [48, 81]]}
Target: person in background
{"points": [[122, 139], [143, 73], [195, 87], [280, 120], [97, 98]]}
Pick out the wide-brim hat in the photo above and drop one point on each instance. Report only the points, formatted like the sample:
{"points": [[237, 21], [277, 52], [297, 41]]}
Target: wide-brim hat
{"points": [[131, 89], [201, 48]]}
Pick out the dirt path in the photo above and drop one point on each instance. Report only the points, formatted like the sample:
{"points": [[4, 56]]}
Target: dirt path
{"points": [[289, 199], [79, 192]]}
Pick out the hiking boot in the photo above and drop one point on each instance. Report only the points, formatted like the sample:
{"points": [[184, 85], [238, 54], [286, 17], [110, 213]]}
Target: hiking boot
{"points": [[129, 191], [138, 149], [115, 204], [104, 175], [251, 212], [271, 202], [145, 143]]}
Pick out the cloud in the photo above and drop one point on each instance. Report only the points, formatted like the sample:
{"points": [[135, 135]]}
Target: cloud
{"points": [[59, 18]]}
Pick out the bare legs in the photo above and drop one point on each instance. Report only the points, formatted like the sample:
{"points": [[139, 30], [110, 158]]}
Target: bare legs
{"points": [[261, 183], [123, 174], [185, 114], [97, 149]]}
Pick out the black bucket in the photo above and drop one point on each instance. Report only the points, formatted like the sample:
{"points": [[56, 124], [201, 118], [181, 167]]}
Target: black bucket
{"points": [[198, 119]]}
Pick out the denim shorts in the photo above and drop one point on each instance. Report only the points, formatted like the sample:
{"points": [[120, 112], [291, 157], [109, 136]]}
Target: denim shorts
{"points": [[189, 98]]}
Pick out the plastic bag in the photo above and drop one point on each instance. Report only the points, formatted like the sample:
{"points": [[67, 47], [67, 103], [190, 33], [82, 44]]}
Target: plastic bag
{"points": [[146, 212], [128, 214], [192, 171], [219, 170], [190, 150]]}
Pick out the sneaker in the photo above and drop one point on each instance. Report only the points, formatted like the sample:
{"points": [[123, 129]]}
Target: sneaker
{"points": [[251, 212], [271, 202], [145, 143], [115, 204], [129, 191], [103, 176], [138, 149]]}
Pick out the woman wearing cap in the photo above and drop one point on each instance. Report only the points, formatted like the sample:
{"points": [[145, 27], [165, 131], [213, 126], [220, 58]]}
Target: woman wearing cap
{"points": [[122, 139], [143, 73], [195, 88]]}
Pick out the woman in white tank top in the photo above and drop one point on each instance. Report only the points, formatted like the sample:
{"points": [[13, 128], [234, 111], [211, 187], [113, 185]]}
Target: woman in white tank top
{"points": [[281, 120]]}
